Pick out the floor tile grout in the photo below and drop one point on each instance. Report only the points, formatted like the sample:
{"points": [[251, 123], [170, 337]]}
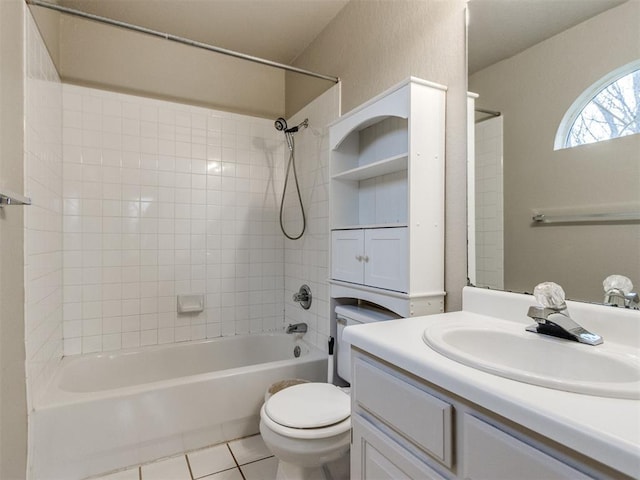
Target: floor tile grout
{"points": [[254, 461], [215, 473], [192, 476], [185, 455], [236, 462]]}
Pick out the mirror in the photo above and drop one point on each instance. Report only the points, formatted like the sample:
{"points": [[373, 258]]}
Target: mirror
{"points": [[528, 62]]}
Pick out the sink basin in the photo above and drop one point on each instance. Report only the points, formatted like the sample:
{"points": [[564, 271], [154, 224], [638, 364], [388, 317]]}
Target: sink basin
{"points": [[504, 348]]}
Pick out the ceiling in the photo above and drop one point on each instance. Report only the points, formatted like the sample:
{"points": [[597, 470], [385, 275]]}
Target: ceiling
{"points": [[279, 30], [499, 29]]}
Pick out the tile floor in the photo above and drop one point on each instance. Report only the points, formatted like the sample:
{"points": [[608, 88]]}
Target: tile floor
{"points": [[243, 459]]}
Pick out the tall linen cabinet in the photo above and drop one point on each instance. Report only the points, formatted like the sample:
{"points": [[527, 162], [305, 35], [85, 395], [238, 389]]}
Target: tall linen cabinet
{"points": [[387, 200]]}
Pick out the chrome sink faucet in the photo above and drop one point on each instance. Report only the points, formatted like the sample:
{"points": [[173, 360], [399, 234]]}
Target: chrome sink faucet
{"points": [[552, 316], [617, 292]]}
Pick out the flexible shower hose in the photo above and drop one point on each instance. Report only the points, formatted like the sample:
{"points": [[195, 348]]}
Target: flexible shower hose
{"points": [[292, 161]]}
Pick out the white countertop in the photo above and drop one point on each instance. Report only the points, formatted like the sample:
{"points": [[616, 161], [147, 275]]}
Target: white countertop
{"points": [[605, 429]]}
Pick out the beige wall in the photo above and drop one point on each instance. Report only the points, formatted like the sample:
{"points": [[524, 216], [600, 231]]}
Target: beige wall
{"points": [[13, 409], [533, 90], [371, 45], [48, 23], [97, 55]]}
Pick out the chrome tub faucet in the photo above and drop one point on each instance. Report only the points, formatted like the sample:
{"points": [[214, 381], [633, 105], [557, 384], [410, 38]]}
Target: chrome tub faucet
{"points": [[552, 316], [297, 328]]}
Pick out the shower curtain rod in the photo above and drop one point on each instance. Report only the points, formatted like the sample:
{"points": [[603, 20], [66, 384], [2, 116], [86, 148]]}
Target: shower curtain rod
{"points": [[175, 38]]}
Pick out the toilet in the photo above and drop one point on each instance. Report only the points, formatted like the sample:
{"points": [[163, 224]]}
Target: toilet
{"points": [[308, 425]]}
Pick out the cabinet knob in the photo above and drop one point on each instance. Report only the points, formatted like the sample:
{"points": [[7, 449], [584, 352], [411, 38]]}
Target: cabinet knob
{"points": [[359, 258], [366, 258]]}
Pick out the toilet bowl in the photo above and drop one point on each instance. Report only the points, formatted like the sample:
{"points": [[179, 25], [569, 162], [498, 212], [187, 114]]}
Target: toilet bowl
{"points": [[308, 425]]}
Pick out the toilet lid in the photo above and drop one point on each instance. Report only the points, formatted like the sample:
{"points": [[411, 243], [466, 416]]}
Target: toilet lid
{"points": [[309, 405]]}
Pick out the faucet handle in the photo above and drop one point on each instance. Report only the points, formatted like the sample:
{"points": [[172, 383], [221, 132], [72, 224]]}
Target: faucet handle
{"points": [[617, 292], [303, 297], [550, 295], [617, 282]]}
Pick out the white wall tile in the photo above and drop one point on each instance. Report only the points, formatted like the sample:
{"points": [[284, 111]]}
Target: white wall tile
{"points": [[142, 219], [306, 260], [489, 209], [44, 272]]}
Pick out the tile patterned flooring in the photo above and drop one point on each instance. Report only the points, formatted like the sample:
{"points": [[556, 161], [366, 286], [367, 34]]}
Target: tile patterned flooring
{"points": [[243, 459]]}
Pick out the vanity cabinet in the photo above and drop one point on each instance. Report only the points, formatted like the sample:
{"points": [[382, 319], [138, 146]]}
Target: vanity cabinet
{"points": [[407, 428], [489, 452], [381, 459], [387, 200]]}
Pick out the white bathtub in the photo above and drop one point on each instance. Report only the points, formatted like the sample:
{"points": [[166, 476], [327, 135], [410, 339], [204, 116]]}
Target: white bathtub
{"points": [[106, 411]]}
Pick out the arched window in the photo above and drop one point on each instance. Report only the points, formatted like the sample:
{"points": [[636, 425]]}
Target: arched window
{"points": [[610, 108]]}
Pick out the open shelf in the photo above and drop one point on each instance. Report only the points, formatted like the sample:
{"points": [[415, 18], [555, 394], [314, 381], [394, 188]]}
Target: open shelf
{"points": [[385, 166]]}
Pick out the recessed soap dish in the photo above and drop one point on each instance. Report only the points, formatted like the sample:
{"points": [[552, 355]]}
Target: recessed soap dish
{"points": [[190, 303]]}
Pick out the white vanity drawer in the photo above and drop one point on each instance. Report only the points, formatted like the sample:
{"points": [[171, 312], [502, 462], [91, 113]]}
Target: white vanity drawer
{"points": [[373, 456], [413, 413], [489, 453]]}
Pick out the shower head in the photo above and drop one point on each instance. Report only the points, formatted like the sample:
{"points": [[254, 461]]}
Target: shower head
{"points": [[281, 125]]}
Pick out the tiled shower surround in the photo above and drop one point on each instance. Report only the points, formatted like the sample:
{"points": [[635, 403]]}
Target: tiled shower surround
{"points": [[307, 259], [137, 200], [43, 218], [489, 206], [161, 199]]}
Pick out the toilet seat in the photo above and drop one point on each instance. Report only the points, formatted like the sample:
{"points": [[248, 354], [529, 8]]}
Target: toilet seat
{"points": [[308, 411], [309, 405], [305, 433]]}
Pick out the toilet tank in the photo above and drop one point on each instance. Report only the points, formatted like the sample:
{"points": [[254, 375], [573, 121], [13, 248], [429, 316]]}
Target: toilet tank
{"points": [[354, 315]]}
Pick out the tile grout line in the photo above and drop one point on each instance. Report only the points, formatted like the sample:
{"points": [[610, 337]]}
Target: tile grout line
{"points": [[186, 457], [191, 474], [193, 477], [236, 462], [258, 460]]}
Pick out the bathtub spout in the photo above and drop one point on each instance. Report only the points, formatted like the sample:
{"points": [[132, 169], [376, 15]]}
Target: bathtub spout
{"points": [[297, 328]]}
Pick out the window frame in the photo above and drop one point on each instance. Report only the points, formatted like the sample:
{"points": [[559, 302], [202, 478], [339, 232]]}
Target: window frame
{"points": [[579, 104]]}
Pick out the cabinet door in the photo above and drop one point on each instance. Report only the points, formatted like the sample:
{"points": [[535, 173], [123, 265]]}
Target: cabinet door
{"points": [[386, 259], [374, 456], [491, 454], [347, 253]]}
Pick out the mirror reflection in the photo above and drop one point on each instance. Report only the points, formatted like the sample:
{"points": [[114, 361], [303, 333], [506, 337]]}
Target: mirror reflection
{"points": [[588, 195]]}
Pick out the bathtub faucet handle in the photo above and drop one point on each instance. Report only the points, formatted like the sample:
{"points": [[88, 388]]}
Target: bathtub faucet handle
{"points": [[297, 328], [303, 297]]}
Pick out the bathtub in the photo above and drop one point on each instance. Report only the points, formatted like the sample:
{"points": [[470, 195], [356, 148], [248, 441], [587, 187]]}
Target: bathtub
{"points": [[107, 411]]}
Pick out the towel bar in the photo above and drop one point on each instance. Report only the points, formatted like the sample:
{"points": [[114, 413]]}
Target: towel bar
{"points": [[7, 197], [587, 217]]}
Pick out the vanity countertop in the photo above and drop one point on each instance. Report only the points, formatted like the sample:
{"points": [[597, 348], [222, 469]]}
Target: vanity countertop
{"points": [[605, 429]]}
